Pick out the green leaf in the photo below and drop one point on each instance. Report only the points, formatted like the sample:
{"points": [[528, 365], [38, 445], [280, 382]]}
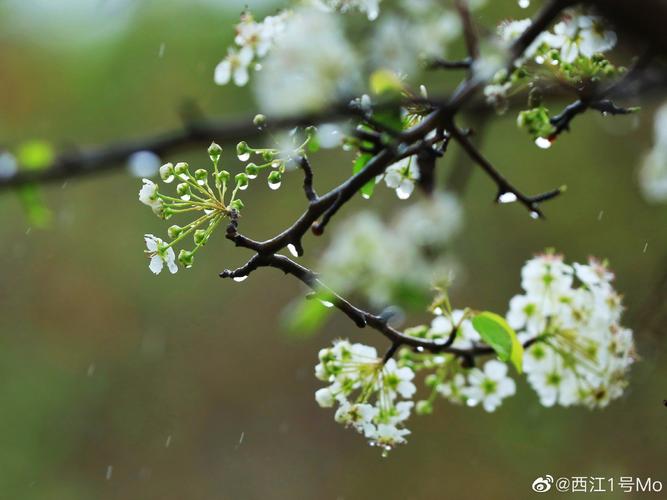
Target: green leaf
{"points": [[35, 155], [385, 81], [304, 317], [495, 331], [359, 164]]}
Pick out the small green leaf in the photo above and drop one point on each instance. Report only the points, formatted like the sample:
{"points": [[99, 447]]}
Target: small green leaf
{"points": [[385, 81], [361, 161], [304, 317], [35, 155], [495, 331]]}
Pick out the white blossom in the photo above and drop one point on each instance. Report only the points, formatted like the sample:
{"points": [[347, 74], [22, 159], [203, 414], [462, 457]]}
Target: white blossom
{"points": [[234, 67], [402, 176], [370, 7], [581, 34], [653, 170], [159, 254], [148, 195], [584, 354], [489, 387]]}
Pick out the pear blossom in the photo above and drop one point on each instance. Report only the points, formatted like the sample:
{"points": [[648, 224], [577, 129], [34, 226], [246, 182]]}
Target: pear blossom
{"points": [[581, 34], [148, 195], [373, 397], [584, 354], [490, 386], [160, 254], [234, 67], [401, 176], [370, 7]]}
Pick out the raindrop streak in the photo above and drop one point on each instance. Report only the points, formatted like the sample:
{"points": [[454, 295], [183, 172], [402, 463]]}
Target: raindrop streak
{"points": [[241, 438], [160, 52], [91, 369], [524, 4], [239, 279], [645, 247], [365, 196], [507, 198], [274, 185], [543, 143], [167, 443], [600, 214], [292, 250], [326, 303], [109, 472]]}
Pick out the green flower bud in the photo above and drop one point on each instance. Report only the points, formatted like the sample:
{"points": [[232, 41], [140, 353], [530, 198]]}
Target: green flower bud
{"points": [[424, 407], [267, 155], [431, 380], [181, 168], [251, 170], [259, 121], [167, 172], [200, 237], [243, 151], [201, 176], [275, 179], [237, 205], [221, 179], [241, 180], [186, 258], [214, 151], [183, 190], [174, 231]]}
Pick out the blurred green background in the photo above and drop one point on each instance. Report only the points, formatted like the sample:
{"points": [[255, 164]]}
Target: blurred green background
{"points": [[118, 384]]}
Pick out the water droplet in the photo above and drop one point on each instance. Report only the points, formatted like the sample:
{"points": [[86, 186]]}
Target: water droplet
{"points": [[524, 4], [243, 187], [385, 453], [534, 214], [274, 185], [185, 197], [645, 247], [507, 197], [365, 196], [239, 279], [326, 303], [471, 402], [244, 157], [169, 179], [208, 211], [292, 250], [438, 311], [258, 67], [543, 143], [201, 182], [539, 60], [275, 163], [251, 176]]}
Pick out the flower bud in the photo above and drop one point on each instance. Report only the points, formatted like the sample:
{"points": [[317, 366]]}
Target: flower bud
{"points": [[259, 121], [181, 169], [200, 237], [183, 190], [424, 407], [222, 178], [237, 205], [174, 231], [201, 176], [167, 172], [275, 179], [267, 155], [251, 170], [243, 151], [214, 151], [186, 258], [241, 181], [431, 380]]}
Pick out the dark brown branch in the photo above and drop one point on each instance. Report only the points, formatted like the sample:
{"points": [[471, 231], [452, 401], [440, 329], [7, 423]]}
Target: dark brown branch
{"points": [[359, 316]]}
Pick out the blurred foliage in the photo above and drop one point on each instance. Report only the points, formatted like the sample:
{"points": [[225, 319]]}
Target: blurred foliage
{"points": [[186, 387]]}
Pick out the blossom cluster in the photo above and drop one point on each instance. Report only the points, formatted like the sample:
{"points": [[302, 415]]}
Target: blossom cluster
{"points": [[253, 40], [577, 353], [372, 397], [584, 353], [419, 235], [653, 171], [370, 7]]}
